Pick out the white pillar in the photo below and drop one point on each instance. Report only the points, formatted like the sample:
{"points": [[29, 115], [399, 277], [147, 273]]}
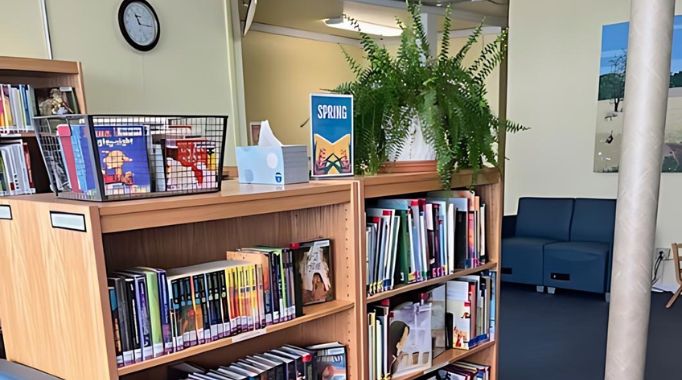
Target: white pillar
{"points": [[646, 97]]}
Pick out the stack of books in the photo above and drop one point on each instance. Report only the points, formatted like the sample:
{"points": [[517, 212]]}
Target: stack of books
{"points": [[464, 371], [16, 177], [406, 332], [322, 361], [157, 312], [415, 239]]}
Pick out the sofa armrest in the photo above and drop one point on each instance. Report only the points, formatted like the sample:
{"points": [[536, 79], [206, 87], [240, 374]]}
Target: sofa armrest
{"points": [[508, 226]]}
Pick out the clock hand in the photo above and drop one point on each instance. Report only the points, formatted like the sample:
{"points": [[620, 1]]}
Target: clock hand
{"points": [[137, 17]]}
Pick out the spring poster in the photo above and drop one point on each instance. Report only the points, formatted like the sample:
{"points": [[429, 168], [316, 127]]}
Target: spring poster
{"points": [[331, 135]]}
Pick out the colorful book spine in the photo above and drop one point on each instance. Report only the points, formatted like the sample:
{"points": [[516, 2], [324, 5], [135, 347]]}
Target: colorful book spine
{"points": [[116, 325]]}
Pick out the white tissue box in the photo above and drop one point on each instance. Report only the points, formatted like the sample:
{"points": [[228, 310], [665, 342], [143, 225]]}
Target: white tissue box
{"points": [[273, 165]]}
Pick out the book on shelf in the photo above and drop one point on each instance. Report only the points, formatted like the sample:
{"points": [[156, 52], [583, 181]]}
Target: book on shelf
{"points": [[415, 239], [407, 331], [122, 154], [157, 312], [16, 176], [190, 163], [51, 101], [313, 271], [400, 337], [318, 362], [464, 371]]}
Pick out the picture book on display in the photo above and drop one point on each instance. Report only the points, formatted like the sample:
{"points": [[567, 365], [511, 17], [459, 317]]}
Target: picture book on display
{"points": [[409, 338], [123, 158], [191, 163], [313, 269]]}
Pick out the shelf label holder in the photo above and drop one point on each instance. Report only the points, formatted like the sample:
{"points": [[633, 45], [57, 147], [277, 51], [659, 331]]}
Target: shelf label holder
{"points": [[68, 221], [5, 212]]}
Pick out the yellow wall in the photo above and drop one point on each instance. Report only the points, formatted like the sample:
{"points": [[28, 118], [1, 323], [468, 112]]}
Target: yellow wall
{"points": [[187, 73], [280, 72], [21, 29]]}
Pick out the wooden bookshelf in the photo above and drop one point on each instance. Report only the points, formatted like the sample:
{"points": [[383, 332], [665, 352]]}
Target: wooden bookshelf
{"points": [[448, 357], [311, 313], [53, 281], [400, 289], [488, 184], [40, 73]]}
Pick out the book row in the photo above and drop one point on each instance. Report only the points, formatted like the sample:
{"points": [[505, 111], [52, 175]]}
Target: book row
{"points": [[463, 371], [16, 176], [408, 331], [19, 104], [415, 239], [321, 361], [133, 159], [157, 312]]}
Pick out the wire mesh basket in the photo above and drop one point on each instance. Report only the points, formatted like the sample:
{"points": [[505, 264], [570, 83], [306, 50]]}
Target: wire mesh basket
{"points": [[120, 157]]}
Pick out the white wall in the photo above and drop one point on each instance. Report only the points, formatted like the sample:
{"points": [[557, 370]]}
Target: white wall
{"points": [[189, 71], [554, 48]]}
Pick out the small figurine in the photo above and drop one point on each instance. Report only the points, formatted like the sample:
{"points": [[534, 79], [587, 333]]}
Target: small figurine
{"points": [[54, 105]]}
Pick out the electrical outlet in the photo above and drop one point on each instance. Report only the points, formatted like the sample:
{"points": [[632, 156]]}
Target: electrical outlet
{"points": [[664, 252]]}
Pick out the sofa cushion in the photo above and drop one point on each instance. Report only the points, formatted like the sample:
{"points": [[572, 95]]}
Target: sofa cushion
{"points": [[545, 218], [522, 259], [576, 265], [593, 220]]}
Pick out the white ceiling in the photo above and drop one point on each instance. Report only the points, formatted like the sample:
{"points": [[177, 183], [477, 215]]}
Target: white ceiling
{"points": [[308, 15]]}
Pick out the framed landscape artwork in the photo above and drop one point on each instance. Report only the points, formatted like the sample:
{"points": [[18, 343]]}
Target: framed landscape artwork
{"points": [[611, 102]]}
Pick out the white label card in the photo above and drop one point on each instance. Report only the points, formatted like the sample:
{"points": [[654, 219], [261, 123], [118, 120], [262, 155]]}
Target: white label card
{"points": [[75, 222], [5, 212]]}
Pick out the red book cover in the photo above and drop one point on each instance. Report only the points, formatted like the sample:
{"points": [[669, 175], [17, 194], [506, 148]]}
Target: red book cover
{"points": [[191, 164], [64, 133], [29, 172]]}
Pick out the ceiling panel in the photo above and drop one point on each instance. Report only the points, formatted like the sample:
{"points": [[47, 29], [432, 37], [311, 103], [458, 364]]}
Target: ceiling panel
{"points": [[309, 15]]}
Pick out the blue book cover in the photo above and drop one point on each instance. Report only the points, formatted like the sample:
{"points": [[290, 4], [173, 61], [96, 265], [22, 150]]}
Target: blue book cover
{"points": [[122, 152], [331, 121], [84, 168]]}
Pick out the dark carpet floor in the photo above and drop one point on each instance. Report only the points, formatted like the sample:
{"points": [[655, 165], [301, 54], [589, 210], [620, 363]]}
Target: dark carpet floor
{"points": [[563, 336]]}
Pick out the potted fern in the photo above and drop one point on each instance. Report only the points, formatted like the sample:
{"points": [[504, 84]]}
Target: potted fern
{"points": [[402, 96]]}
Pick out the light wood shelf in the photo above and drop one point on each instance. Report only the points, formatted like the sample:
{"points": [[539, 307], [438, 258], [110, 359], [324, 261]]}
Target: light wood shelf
{"points": [[40, 73], [384, 185], [424, 284], [311, 313], [489, 185], [52, 279], [39, 66], [233, 201], [448, 357]]}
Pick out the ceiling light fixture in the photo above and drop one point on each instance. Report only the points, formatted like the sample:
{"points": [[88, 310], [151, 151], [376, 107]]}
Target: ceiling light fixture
{"points": [[366, 27]]}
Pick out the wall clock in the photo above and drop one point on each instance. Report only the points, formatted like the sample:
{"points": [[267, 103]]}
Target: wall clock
{"points": [[139, 24]]}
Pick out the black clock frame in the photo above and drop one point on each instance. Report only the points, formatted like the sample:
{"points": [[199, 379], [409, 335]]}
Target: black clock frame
{"points": [[121, 25]]}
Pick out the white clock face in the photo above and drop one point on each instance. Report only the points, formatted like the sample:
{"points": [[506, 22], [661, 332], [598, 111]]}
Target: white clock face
{"points": [[140, 23]]}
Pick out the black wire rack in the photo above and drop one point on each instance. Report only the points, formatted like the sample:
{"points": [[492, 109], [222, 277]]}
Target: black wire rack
{"points": [[121, 157]]}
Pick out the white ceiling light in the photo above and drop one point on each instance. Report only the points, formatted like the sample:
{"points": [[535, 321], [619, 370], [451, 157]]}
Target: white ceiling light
{"points": [[366, 27]]}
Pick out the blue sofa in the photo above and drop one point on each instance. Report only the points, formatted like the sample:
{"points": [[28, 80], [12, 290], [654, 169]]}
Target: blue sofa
{"points": [[562, 243]]}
